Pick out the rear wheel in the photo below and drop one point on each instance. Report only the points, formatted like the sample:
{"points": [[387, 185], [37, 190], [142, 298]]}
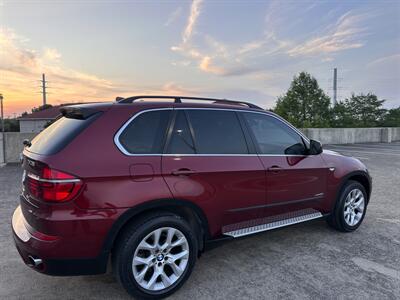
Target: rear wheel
{"points": [[350, 208], [154, 258]]}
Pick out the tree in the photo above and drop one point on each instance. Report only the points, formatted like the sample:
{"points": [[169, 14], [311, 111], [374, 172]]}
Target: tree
{"points": [[305, 104], [10, 125], [359, 111], [42, 107], [392, 118], [340, 116]]}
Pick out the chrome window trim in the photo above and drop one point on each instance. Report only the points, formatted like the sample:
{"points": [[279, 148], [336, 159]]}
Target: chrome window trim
{"points": [[126, 124], [119, 132], [166, 154]]}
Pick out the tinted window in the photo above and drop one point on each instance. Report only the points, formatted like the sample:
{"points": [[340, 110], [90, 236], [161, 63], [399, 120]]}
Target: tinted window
{"points": [[181, 139], [59, 134], [217, 132], [145, 134], [273, 136]]}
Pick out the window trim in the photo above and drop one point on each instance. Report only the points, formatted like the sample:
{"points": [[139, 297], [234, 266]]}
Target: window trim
{"points": [[257, 146], [126, 124]]}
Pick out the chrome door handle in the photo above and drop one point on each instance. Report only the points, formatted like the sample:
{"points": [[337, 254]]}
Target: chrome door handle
{"points": [[274, 169], [182, 172]]}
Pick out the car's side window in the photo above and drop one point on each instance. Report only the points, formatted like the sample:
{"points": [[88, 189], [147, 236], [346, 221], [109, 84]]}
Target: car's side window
{"points": [[181, 141], [272, 136], [146, 133], [217, 132]]}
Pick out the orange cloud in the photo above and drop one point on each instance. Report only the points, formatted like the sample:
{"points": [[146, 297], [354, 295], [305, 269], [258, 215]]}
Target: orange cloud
{"points": [[206, 65], [21, 69]]}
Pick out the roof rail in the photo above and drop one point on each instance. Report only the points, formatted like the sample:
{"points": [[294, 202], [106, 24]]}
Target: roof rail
{"points": [[178, 99]]}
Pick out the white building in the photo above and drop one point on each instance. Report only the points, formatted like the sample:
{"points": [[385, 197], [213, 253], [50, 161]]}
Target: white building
{"points": [[37, 121]]}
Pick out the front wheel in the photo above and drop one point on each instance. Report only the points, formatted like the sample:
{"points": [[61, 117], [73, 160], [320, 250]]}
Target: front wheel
{"points": [[350, 209], [154, 258]]}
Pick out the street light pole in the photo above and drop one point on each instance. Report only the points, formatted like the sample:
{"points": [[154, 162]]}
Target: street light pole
{"points": [[2, 114], [2, 128]]}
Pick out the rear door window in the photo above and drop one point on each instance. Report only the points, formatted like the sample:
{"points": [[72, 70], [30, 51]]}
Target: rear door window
{"points": [[145, 134], [59, 134], [272, 136], [181, 141], [217, 132]]}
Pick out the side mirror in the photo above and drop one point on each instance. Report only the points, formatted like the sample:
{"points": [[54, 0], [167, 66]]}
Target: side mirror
{"points": [[315, 147], [296, 149]]}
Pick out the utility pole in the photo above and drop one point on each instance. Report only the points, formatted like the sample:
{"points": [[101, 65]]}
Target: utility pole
{"points": [[334, 86], [43, 81]]}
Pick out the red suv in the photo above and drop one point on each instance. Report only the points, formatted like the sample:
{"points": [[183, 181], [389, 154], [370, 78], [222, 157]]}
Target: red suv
{"points": [[149, 183]]}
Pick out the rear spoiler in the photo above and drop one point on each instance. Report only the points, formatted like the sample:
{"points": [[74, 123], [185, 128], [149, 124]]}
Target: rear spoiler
{"points": [[77, 112]]}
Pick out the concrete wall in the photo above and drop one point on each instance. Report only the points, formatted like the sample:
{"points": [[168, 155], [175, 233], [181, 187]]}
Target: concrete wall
{"points": [[32, 125], [395, 134], [353, 135], [13, 145]]}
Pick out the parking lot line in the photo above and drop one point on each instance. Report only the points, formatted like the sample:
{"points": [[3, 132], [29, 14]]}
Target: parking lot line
{"points": [[360, 157], [365, 148], [364, 152]]}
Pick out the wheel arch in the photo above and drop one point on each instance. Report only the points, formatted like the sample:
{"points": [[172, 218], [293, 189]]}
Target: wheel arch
{"points": [[186, 209], [360, 176]]}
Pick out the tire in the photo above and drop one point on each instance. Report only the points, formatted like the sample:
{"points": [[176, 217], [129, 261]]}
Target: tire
{"points": [[353, 200], [139, 241]]}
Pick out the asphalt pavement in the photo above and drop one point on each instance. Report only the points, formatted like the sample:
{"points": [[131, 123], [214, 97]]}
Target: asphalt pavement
{"points": [[304, 261]]}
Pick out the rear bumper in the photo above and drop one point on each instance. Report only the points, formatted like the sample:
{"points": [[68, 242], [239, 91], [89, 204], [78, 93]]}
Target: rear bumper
{"points": [[31, 247]]}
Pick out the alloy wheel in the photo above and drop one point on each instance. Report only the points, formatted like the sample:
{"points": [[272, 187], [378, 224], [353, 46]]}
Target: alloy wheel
{"points": [[160, 259], [354, 207]]}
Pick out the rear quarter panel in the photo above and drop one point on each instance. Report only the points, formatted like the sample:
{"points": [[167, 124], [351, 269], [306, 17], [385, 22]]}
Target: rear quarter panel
{"points": [[110, 181]]}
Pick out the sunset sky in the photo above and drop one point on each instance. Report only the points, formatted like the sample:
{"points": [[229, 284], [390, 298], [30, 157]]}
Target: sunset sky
{"points": [[249, 50]]}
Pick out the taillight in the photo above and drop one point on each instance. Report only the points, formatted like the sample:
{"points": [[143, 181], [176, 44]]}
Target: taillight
{"points": [[53, 185]]}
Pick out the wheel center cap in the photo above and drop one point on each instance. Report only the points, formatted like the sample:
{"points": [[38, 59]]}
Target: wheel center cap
{"points": [[160, 257]]}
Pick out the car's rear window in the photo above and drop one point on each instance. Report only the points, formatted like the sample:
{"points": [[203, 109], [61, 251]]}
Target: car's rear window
{"points": [[59, 134]]}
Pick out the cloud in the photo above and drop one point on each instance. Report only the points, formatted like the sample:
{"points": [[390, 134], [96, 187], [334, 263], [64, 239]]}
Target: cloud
{"points": [[327, 59], [217, 58], [345, 34], [207, 66], [392, 60], [21, 70], [51, 54], [251, 46], [173, 16], [193, 16], [181, 63], [172, 88]]}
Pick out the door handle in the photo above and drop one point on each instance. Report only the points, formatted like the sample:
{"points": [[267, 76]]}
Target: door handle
{"points": [[275, 169], [183, 171]]}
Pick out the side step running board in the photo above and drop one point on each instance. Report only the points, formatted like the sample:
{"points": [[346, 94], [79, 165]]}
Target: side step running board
{"points": [[269, 223]]}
